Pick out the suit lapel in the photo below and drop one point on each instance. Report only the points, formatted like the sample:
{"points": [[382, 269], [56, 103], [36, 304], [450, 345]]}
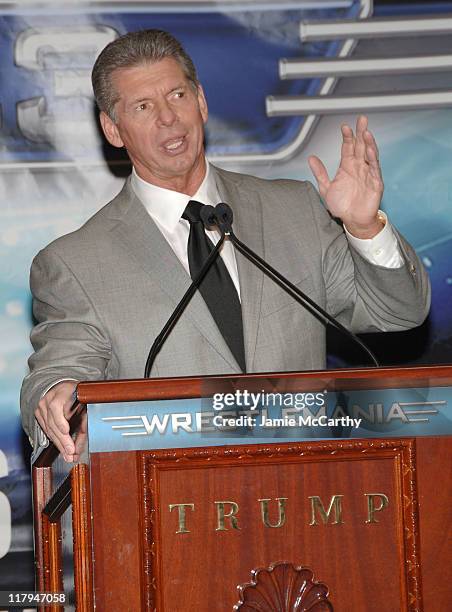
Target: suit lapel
{"points": [[137, 233], [248, 227]]}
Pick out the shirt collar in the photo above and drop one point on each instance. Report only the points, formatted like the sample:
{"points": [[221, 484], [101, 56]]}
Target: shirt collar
{"points": [[165, 205]]}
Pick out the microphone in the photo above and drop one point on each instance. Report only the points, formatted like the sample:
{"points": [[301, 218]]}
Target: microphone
{"points": [[207, 215], [208, 218], [224, 217]]}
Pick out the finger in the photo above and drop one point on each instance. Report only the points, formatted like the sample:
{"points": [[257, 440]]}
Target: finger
{"points": [[59, 441], [63, 442], [370, 141], [360, 144], [373, 162], [58, 419], [59, 427], [372, 156], [320, 173], [62, 407], [348, 142], [56, 437]]}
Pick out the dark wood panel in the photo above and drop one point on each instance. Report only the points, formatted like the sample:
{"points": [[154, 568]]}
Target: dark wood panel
{"points": [[434, 460], [116, 505], [81, 528]]}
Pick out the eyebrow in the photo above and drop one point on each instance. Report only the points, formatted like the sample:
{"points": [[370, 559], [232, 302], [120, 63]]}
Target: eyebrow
{"points": [[138, 101], [146, 98], [181, 86]]}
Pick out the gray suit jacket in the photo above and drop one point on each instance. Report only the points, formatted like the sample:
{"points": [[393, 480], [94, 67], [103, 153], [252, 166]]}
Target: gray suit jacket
{"points": [[103, 293]]}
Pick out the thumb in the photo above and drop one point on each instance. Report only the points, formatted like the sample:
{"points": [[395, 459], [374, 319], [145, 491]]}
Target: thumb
{"points": [[320, 174]]}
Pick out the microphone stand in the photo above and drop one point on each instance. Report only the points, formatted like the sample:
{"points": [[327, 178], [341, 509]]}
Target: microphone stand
{"points": [[223, 216], [158, 342]]}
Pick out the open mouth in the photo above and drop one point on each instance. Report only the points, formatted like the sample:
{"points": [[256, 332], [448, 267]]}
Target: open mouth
{"points": [[175, 145]]}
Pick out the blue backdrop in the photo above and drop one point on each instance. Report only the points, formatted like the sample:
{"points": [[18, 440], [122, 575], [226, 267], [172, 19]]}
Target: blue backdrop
{"points": [[55, 170]]}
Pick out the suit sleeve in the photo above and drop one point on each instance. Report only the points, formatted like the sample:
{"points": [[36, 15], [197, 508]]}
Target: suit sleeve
{"points": [[69, 339], [363, 296]]}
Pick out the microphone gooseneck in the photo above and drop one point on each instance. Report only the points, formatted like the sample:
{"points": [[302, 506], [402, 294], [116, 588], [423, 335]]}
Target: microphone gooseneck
{"points": [[208, 219], [224, 217]]}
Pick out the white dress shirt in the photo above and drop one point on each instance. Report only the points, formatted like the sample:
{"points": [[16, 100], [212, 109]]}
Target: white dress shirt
{"points": [[166, 207]]}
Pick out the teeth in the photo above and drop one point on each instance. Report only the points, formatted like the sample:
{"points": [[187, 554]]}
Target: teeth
{"points": [[174, 145]]}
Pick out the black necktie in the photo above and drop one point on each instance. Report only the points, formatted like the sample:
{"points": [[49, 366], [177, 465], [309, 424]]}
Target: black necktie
{"points": [[216, 288]]}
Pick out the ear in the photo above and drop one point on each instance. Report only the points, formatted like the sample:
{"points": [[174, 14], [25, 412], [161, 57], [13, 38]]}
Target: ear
{"points": [[110, 130], [202, 104]]}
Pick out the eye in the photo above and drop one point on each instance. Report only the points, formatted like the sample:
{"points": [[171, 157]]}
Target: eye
{"points": [[141, 107], [179, 94]]}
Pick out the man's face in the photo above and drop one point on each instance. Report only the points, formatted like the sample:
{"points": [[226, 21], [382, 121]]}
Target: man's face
{"points": [[160, 119]]}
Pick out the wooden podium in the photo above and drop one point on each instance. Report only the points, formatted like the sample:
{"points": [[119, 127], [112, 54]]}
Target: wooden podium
{"points": [[164, 513]]}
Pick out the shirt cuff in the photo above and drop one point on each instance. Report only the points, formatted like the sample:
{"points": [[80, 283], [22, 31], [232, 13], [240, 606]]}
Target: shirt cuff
{"points": [[381, 250]]}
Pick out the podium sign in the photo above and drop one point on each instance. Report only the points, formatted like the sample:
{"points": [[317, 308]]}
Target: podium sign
{"points": [[181, 423]]}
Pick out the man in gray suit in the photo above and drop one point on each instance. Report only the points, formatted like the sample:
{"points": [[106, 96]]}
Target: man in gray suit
{"points": [[102, 293]]}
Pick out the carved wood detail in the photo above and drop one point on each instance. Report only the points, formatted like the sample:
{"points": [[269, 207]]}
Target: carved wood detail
{"points": [[81, 528], [318, 450], [283, 587], [150, 496], [402, 450], [411, 525], [148, 504]]}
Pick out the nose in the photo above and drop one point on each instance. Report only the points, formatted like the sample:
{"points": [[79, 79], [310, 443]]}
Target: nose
{"points": [[166, 114]]}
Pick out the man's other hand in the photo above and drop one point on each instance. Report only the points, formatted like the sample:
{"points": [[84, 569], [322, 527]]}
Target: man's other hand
{"points": [[53, 414], [355, 193]]}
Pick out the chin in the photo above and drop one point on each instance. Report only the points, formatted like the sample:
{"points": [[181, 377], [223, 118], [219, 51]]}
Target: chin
{"points": [[181, 166]]}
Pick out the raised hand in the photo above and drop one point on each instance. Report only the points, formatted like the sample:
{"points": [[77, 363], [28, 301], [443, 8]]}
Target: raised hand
{"points": [[355, 193]]}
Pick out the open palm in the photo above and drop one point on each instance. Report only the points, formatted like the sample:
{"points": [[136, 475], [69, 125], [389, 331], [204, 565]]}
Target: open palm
{"points": [[355, 193]]}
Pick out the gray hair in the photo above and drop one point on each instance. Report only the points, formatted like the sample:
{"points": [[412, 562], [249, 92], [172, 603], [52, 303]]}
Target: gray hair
{"points": [[133, 49]]}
